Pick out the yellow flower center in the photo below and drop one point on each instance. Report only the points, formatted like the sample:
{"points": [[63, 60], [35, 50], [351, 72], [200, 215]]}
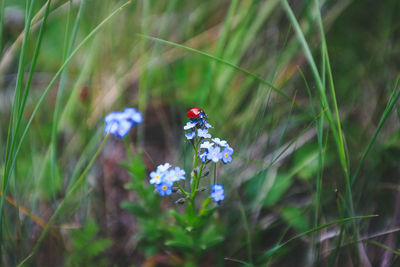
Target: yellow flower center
{"points": [[164, 187], [226, 155]]}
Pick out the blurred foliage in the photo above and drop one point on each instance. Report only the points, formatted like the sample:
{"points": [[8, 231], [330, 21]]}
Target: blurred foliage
{"points": [[86, 248]]}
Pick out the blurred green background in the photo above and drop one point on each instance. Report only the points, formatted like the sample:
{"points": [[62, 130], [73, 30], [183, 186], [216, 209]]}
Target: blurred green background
{"points": [[252, 76]]}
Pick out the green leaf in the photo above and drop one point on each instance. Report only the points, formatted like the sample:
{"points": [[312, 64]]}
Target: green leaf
{"points": [[281, 184], [179, 238], [136, 168], [210, 237], [179, 218], [294, 217], [306, 162], [87, 247]]}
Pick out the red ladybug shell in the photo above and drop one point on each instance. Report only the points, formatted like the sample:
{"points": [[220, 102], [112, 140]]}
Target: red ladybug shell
{"points": [[194, 113]]}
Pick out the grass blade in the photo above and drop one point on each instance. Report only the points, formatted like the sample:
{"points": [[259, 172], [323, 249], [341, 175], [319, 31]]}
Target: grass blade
{"points": [[67, 196], [43, 96], [392, 101], [220, 60], [315, 229]]}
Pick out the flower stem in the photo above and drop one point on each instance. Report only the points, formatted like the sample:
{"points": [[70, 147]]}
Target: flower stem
{"points": [[182, 190]]}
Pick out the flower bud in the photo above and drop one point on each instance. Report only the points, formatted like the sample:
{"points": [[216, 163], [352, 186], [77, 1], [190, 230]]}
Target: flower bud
{"points": [[180, 201]]}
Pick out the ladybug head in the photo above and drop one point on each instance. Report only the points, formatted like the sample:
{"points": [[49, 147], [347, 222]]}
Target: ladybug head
{"points": [[202, 115]]}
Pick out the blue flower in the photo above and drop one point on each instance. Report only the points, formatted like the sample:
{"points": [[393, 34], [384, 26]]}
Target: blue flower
{"points": [[170, 177], [133, 115], [119, 123], [164, 167], [189, 125], [214, 154], [164, 189], [217, 192], [179, 173], [203, 133], [156, 177], [206, 145], [226, 154], [203, 157], [190, 136], [220, 142], [207, 125]]}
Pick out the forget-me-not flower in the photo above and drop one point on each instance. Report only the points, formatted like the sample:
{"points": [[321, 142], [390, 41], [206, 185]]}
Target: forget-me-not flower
{"points": [[134, 115], [119, 123], [226, 154], [214, 154], [203, 133], [179, 173], [203, 157], [164, 189], [156, 177], [207, 125], [170, 177], [206, 145], [217, 192], [163, 167], [189, 125], [164, 177], [220, 142], [190, 136]]}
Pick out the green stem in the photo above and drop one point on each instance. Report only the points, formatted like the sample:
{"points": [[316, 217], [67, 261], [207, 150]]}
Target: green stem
{"points": [[68, 195], [15, 154], [69, 44], [392, 101], [215, 173], [12, 134], [182, 190]]}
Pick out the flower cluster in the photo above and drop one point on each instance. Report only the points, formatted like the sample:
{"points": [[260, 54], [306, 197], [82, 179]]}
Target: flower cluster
{"points": [[197, 126], [217, 192], [209, 149], [164, 177], [216, 150], [119, 123]]}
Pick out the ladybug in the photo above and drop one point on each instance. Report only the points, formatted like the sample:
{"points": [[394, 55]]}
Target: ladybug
{"points": [[195, 113]]}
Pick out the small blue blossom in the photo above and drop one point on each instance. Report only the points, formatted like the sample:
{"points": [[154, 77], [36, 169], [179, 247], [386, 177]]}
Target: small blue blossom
{"points": [[170, 177], [226, 155], [220, 142], [214, 154], [217, 192], [190, 136], [164, 189], [207, 125], [133, 115], [164, 167], [189, 125], [119, 123], [113, 121], [206, 145], [179, 173], [164, 177], [203, 133], [156, 177], [203, 157]]}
